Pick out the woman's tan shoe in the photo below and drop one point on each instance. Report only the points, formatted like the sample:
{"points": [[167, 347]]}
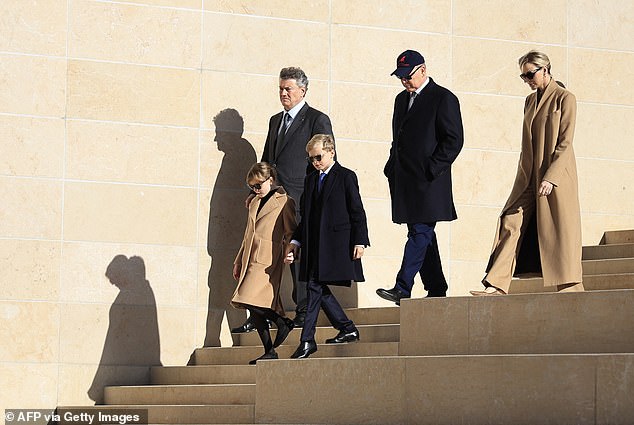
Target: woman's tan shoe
{"points": [[489, 290]]}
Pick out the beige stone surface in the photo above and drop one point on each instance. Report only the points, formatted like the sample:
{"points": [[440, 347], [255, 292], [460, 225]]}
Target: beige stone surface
{"points": [[32, 208], [602, 25], [603, 182], [611, 82], [541, 21], [31, 146], [30, 269], [132, 153], [178, 334], [366, 159], [353, 48], [32, 85], [467, 275], [306, 10], [615, 384], [499, 73], [334, 404], [137, 34], [34, 27], [373, 106], [187, 4], [130, 213], [473, 233], [169, 272], [518, 390], [225, 36], [29, 330], [474, 172], [600, 134], [28, 385], [424, 16], [130, 93], [491, 122]]}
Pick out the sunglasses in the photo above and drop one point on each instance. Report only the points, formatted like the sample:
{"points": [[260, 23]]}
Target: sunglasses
{"points": [[530, 74], [312, 159], [257, 186], [411, 74]]}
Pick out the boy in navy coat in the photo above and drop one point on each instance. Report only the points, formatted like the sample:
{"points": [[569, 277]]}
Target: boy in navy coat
{"points": [[332, 233]]}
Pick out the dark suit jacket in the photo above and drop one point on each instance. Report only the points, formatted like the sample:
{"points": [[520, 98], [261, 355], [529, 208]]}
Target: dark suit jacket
{"points": [[425, 142], [343, 225], [290, 159]]}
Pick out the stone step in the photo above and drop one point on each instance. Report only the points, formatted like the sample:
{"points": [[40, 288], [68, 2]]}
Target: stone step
{"points": [[567, 323], [600, 282], [503, 389], [218, 394], [242, 355], [206, 374], [367, 333], [618, 237], [367, 316], [181, 414], [608, 266], [599, 252]]}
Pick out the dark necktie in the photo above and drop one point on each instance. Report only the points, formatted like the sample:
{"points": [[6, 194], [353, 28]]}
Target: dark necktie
{"points": [[412, 97], [322, 176], [286, 119]]}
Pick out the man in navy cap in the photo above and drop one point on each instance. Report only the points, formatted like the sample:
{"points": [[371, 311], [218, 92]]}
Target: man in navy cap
{"points": [[427, 137]]}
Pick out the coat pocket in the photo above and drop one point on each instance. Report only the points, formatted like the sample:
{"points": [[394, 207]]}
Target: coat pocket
{"points": [[267, 252]]}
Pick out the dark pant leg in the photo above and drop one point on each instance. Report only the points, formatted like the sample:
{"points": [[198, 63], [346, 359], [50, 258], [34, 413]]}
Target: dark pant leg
{"points": [[300, 292], [334, 312], [263, 329], [419, 237], [431, 272], [312, 310]]}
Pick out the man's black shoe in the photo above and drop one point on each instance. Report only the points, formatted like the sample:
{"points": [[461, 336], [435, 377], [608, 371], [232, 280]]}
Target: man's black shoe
{"points": [[246, 327], [270, 355], [304, 350], [298, 321], [436, 294], [344, 336], [395, 295]]}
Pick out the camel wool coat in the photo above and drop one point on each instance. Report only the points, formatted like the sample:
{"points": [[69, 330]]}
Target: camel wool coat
{"points": [[261, 256], [552, 244]]}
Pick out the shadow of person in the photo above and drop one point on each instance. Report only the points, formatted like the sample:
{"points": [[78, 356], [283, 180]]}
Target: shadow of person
{"points": [[227, 218], [132, 342]]}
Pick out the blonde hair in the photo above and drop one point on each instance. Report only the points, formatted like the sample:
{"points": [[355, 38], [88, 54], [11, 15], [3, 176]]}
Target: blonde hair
{"points": [[538, 59], [261, 171], [326, 140]]}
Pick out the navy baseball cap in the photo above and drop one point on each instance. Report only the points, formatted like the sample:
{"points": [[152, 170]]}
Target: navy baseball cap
{"points": [[406, 62]]}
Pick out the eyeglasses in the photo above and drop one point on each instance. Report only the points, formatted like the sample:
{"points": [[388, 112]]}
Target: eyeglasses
{"points": [[312, 159], [530, 74], [257, 186], [411, 74]]}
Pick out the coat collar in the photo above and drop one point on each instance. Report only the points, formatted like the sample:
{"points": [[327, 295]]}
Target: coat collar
{"points": [[417, 103], [270, 205], [550, 89], [297, 122]]}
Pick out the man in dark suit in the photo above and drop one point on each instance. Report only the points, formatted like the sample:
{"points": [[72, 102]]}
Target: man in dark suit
{"points": [[427, 137], [285, 149], [333, 234]]}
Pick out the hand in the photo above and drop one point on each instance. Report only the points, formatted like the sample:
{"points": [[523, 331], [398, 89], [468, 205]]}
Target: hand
{"points": [[545, 188], [236, 271], [358, 252], [290, 257], [247, 201]]}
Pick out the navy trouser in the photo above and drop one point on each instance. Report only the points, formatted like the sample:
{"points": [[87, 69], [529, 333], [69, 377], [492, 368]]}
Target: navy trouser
{"points": [[319, 295]]}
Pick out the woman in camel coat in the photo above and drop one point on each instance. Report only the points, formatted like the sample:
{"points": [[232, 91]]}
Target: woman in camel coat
{"points": [[539, 231], [259, 265]]}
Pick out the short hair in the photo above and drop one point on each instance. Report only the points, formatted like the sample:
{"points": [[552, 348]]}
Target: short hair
{"points": [[295, 73], [538, 59], [326, 140], [261, 171]]}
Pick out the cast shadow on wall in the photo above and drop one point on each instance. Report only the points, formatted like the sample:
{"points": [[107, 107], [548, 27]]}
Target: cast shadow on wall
{"points": [[132, 343], [227, 218]]}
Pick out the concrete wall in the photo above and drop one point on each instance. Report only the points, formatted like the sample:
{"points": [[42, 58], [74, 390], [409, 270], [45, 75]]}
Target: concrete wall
{"points": [[126, 129]]}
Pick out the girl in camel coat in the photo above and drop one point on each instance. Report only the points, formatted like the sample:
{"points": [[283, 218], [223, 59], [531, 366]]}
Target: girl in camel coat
{"points": [[539, 231], [259, 265]]}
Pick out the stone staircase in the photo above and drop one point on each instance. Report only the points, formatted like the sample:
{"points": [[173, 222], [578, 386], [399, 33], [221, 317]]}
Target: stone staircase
{"points": [[526, 358]]}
